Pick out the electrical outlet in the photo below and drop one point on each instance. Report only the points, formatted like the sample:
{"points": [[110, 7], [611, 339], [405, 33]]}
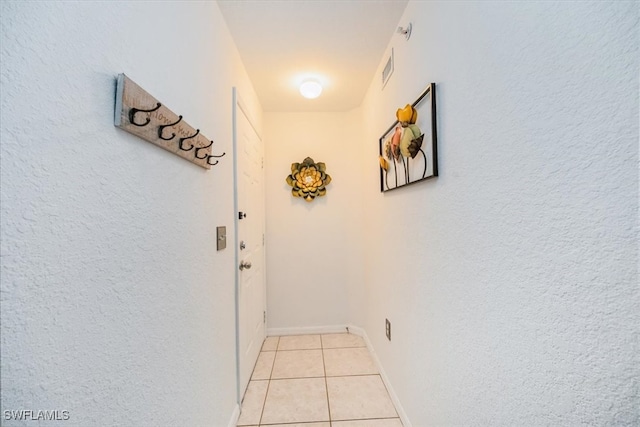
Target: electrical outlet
{"points": [[387, 328]]}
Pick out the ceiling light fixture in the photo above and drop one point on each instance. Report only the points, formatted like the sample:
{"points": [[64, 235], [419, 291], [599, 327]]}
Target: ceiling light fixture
{"points": [[310, 89]]}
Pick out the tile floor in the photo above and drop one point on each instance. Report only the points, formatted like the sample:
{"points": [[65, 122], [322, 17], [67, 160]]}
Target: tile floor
{"points": [[327, 380]]}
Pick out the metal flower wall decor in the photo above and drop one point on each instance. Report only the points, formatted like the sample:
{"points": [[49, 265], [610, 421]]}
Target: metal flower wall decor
{"points": [[308, 179]]}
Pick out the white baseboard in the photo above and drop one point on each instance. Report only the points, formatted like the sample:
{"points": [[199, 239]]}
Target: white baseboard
{"points": [[234, 416], [385, 379], [331, 329]]}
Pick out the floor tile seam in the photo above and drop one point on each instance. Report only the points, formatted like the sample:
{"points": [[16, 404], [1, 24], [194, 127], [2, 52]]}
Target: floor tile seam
{"points": [[326, 386], [297, 378], [264, 403], [395, 410], [270, 370], [389, 395], [351, 375], [277, 343], [242, 401], [356, 375], [319, 348]]}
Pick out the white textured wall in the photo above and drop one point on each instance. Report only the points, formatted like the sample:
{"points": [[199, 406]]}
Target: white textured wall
{"points": [[313, 248], [115, 304], [513, 291]]}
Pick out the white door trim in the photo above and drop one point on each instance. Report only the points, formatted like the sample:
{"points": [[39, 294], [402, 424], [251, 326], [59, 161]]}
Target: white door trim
{"points": [[238, 104], [236, 258]]}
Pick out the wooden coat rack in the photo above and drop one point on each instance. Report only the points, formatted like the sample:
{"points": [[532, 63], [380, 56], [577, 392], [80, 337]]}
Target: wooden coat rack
{"points": [[140, 114]]}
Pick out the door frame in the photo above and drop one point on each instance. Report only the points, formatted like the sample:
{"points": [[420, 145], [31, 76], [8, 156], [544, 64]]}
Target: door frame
{"points": [[238, 105]]}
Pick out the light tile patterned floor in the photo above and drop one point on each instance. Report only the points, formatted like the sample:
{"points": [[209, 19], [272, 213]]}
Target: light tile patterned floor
{"points": [[327, 380]]}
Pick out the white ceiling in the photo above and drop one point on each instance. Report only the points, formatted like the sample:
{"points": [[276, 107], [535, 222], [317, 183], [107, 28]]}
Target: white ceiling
{"points": [[338, 42]]}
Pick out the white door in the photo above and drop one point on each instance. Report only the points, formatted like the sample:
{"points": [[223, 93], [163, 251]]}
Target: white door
{"points": [[250, 258]]}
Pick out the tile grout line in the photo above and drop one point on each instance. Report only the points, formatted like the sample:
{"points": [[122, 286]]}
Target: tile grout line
{"points": [[322, 348], [389, 394], [264, 403], [326, 385]]}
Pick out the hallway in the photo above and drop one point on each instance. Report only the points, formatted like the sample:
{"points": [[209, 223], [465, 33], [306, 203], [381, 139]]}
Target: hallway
{"points": [[510, 280], [326, 380]]}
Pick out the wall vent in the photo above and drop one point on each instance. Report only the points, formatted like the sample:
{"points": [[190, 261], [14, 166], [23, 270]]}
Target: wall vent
{"points": [[388, 70]]}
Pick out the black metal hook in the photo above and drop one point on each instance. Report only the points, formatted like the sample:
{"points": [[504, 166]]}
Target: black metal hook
{"points": [[202, 148], [161, 129], [188, 137], [214, 156], [134, 111]]}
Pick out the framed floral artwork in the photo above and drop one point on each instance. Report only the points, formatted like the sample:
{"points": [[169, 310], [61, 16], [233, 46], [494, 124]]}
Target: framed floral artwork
{"points": [[408, 149]]}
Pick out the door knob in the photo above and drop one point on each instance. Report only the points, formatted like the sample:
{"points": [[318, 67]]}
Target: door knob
{"points": [[245, 265]]}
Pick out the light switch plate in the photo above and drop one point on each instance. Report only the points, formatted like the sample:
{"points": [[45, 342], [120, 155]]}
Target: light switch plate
{"points": [[221, 235]]}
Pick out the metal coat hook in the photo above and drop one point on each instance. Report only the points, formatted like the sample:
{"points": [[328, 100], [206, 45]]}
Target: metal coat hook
{"points": [[202, 148], [188, 137], [214, 156], [134, 111], [161, 129]]}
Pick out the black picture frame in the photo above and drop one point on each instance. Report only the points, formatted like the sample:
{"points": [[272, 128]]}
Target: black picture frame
{"points": [[405, 170]]}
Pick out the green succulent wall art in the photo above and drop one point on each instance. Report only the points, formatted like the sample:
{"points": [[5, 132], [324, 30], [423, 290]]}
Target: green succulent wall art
{"points": [[308, 179]]}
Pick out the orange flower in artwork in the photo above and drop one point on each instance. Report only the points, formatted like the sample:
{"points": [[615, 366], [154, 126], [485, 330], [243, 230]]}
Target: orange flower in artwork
{"points": [[407, 115]]}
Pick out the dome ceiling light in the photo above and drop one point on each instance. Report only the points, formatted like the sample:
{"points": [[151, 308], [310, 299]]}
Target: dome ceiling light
{"points": [[310, 89]]}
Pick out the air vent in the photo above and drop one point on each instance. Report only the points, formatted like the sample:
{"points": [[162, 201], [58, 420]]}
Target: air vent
{"points": [[388, 70]]}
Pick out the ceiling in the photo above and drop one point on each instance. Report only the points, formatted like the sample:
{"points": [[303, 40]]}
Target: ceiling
{"points": [[340, 43]]}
